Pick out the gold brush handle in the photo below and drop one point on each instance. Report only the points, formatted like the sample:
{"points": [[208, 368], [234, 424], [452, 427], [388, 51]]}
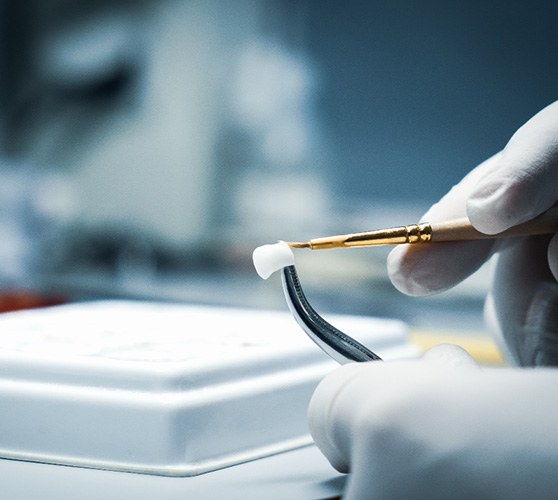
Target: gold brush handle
{"points": [[414, 233], [452, 230]]}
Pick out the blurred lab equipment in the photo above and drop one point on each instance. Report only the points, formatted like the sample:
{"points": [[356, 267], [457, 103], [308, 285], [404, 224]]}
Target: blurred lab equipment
{"points": [[191, 132], [186, 130], [35, 206], [132, 104]]}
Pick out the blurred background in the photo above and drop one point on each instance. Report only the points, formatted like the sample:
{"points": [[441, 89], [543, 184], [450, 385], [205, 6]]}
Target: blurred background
{"points": [[148, 146]]}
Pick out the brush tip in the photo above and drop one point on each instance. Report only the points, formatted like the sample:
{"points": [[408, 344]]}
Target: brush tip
{"points": [[298, 244]]}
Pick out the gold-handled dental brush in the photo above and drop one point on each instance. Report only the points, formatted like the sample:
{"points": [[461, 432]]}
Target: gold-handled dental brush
{"points": [[424, 232]]}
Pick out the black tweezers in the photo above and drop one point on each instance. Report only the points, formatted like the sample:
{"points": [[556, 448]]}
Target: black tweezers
{"points": [[340, 346]]}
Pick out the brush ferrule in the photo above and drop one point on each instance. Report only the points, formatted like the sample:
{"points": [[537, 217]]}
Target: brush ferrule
{"points": [[418, 233]]}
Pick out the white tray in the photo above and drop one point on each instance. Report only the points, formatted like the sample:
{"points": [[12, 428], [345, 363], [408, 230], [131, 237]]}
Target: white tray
{"points": [[162, 389]]}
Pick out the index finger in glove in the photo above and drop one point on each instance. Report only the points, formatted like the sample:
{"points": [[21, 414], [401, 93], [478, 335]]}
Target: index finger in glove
{"points": [[525, 184], [424, 270]]}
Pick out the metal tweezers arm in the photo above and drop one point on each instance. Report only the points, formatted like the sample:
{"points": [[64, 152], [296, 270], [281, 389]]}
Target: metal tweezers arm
{"points": [[334, 342]]}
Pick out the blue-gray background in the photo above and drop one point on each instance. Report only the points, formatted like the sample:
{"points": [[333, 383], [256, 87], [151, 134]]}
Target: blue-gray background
{"points": [[416, 93]]}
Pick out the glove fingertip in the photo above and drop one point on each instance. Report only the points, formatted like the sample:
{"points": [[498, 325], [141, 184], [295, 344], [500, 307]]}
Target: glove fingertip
{"points": [[483, 217], [494, 206], [401, 269], [449, 355]]}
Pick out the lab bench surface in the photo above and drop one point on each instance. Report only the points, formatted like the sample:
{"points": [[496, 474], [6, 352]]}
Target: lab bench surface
{"points": [[302, 474]]}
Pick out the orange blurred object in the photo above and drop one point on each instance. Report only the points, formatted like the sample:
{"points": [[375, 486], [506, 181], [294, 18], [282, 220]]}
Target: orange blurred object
{"points": [[16, 300]]}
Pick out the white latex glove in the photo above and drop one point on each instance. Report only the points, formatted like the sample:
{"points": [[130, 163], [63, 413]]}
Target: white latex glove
{"points": [[425, 429], [512, 187]]}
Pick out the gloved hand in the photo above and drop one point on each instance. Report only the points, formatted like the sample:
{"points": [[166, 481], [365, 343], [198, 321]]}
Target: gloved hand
{"points": [[428, 430], [512, 187], [433, 429]]}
